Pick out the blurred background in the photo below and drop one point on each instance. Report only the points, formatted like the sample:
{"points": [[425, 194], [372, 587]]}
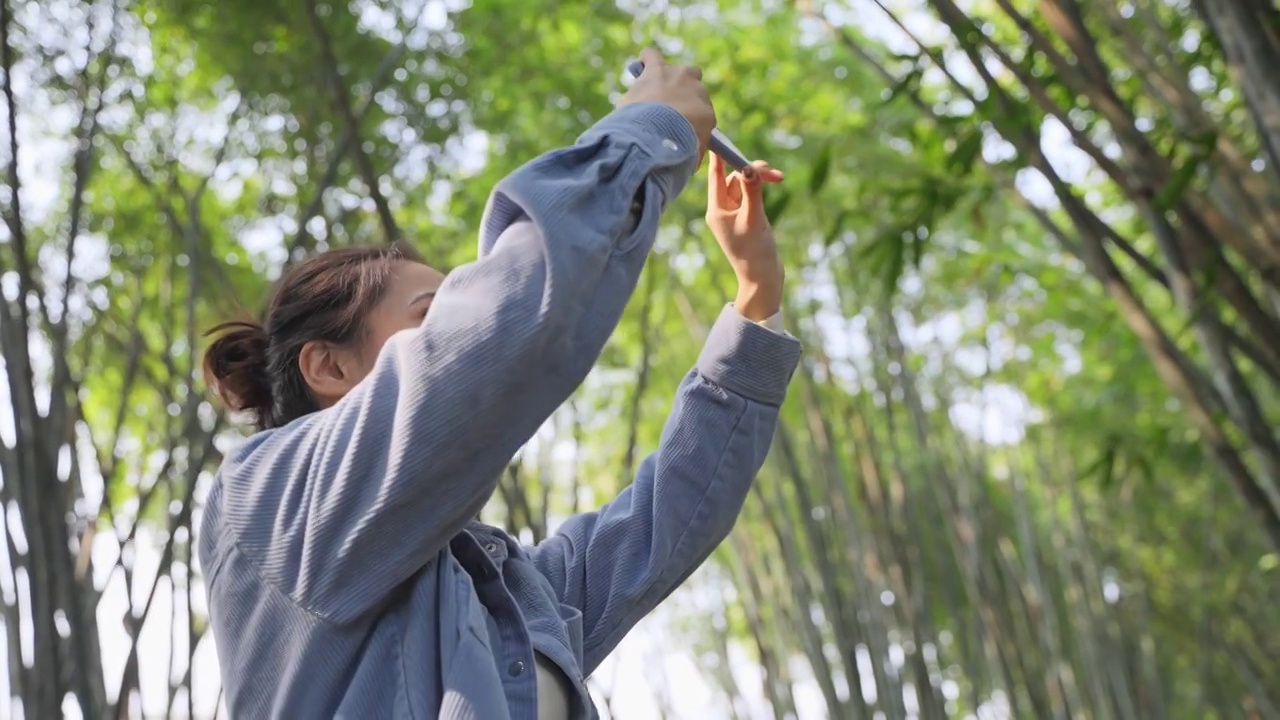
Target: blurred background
{"points": [[1029, 467]]}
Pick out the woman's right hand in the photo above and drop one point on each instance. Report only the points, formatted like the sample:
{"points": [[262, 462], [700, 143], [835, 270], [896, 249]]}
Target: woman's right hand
{"points": [[677, 86]]}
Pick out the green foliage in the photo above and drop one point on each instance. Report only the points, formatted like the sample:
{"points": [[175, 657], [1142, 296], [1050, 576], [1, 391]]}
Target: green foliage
{"points": [[935, 282]]}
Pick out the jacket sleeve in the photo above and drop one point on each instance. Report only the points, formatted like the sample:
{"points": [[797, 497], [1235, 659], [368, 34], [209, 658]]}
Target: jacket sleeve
{"points": [[340, 507], [616, 564]]}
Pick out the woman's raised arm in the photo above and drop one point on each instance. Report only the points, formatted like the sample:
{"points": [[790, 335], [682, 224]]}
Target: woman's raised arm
{"points": [[343, 505]]}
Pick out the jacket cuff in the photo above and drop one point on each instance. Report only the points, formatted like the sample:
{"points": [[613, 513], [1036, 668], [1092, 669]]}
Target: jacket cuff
{"points": [[661, 133], [749, 359]]}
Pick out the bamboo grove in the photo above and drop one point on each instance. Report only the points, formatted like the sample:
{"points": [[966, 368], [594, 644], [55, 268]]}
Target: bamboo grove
{"points": [[1028, 467]]}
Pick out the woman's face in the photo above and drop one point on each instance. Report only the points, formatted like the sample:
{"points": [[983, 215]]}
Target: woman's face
{"points": [[410, 290], [332, 371]]}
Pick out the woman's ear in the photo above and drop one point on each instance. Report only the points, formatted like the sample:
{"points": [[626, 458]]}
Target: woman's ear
{"points": [[328, 371]]}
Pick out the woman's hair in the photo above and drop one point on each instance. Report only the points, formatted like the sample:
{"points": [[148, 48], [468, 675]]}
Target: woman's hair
{"points": [[252, 366]]}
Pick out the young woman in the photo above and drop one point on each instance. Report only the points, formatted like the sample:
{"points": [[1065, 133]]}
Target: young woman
{"points": [[346, 575]]}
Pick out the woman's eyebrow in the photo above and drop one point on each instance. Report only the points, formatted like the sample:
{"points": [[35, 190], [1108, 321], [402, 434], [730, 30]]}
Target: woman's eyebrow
{"points": [[424, 295]]}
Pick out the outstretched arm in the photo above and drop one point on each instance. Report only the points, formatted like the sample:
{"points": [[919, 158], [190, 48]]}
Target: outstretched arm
{"points": [[618, 563], [342, 506]]}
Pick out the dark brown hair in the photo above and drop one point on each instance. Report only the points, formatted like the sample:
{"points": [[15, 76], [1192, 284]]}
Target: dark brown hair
{"points": [[252, 366]]}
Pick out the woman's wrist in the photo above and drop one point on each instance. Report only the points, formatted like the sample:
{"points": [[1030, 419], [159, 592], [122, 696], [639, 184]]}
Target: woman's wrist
{"points": [[759, 298]]}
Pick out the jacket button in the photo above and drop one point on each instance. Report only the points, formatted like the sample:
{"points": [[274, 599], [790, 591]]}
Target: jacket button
{"points": [[516, 668], [491, 548]]}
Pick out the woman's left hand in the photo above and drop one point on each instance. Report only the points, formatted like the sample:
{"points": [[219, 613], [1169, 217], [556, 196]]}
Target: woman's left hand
{"points": [[736, 216]]}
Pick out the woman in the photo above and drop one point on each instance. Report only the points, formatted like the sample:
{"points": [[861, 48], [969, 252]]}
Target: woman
{"points": [[346, 576]]}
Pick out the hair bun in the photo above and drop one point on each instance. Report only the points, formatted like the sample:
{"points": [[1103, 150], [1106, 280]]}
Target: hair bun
{"points": [[235, 366]]}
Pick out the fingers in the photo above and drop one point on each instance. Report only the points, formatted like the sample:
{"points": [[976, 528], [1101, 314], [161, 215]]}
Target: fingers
{"points": [[717, 183], [768, 174], [752, 182], [651, 58], [763, 172], [735, 183], [741, 191]]}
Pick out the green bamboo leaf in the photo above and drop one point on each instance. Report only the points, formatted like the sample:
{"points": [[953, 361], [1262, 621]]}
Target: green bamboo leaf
{"points": [[1183, 174], [966, 152], [821, 168], [776, 203]]}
